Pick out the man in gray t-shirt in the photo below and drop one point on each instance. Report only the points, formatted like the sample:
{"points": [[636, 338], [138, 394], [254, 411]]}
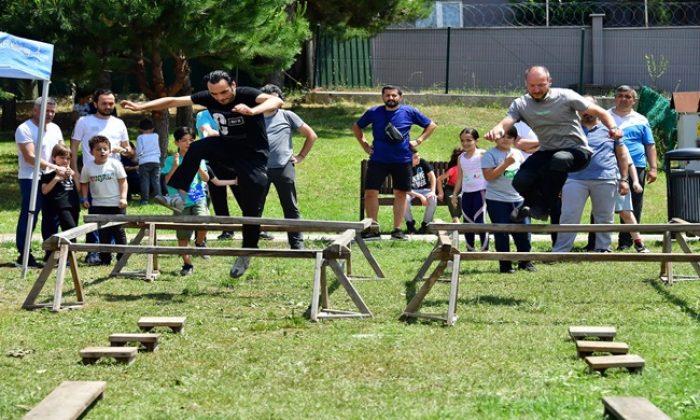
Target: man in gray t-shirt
{"points": [[280, 125], [552, 113]]}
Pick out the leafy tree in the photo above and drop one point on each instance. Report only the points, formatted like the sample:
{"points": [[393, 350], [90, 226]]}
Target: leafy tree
{"points": [[94, 38]]}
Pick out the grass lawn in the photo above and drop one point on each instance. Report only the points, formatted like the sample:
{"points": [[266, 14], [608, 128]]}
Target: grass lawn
{"points": [[248, 352]]}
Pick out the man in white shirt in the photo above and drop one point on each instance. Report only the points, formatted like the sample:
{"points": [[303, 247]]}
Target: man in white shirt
{"points": [[26, 137], [101, 123]]}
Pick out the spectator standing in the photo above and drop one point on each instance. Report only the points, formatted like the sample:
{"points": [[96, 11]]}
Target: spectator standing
{"points": [[148, 156], [280, 125], [103, 190], [472, 186], [390, 153], [500, 165], [131, 166], [639, 139], [26, 138], [60, 191]]}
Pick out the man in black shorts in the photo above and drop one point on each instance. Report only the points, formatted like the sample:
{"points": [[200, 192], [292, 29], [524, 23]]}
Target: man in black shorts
{"points": [[242, 145], [390, 153]]}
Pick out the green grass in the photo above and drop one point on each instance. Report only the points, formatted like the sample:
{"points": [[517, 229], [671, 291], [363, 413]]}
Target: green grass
{"points": [[248, 352]]}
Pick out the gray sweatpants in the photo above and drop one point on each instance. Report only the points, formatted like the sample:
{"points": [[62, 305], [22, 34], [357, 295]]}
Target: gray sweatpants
{"points": [[284, 181]]}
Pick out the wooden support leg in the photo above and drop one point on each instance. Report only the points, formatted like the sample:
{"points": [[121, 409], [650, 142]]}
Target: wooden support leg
{"points": [[426, 265], [316, 289], [76, 277], [352, 292], [417, 300], [324, 286], [368, 255], [684, 246], [30, 301], [666, 266], [454, 288], [119, 266]]}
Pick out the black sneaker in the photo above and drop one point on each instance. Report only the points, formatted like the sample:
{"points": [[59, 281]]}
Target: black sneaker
{"points": [[423, 229], [371, 235], [411, 227], [506, 270], [264, 236], [226, 235], [527, 266], [641, 249], [187, 270], [31, 262], [93, 258], [519, 214], [398, 235]]}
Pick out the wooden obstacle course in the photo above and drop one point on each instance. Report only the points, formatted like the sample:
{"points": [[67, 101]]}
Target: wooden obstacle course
{"points": [[587, 348], [126, 355], [68, 401], [632, 408], [580, 332], [349, 232], [445, 251], [148, 340], [632, 362], [175, 323]]}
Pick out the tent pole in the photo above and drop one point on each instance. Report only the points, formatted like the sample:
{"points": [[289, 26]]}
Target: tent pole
{"points": [[35, 179]]}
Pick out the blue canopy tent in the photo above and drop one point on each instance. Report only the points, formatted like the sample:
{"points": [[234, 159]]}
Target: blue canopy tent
{"points": [[22, 58]]}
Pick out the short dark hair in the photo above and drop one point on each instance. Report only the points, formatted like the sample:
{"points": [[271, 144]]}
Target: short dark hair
{"points": [[216, 76], [512, 132], [626, 88], [97, 140], [60, 150], [181, 132], [392, 87], [99, 92], [271, 89], [471, 131], [146, 124]]}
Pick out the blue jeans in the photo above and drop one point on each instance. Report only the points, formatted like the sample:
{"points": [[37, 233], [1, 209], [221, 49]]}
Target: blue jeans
{"points": [[149, 180], [499, 212], [49, 223]]}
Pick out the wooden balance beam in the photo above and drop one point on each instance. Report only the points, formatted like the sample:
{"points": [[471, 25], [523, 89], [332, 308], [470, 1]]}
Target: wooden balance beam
{"points": [[63, 245], [446, 250]]}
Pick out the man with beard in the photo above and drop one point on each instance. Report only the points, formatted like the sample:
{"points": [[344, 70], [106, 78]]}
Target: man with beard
{"points": [[101, 123], [241, 145], [553, 114], [390, 154]]}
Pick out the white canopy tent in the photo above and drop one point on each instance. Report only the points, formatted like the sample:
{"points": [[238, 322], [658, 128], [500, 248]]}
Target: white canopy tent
{"points": [[22, 58]]}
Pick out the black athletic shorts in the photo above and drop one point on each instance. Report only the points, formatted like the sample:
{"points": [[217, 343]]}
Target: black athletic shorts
{"points": [[377, 172]]}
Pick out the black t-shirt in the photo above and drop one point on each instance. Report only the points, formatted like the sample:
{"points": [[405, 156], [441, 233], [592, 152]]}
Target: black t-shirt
{"points": [[249, 130], [64, 194], [420, 175]]}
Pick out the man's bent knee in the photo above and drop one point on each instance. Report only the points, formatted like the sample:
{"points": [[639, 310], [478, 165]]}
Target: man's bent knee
{"points": [[562, 161]]}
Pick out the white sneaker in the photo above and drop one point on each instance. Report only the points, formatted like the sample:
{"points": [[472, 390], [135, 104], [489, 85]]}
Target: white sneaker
{"points": [[173, 202], [239, 267]]}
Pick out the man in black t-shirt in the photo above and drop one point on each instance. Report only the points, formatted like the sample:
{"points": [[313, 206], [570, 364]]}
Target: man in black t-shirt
{"points": [[241, 145]]}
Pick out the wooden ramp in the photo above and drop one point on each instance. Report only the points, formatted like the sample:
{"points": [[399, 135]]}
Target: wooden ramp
{"points": [[632, 408], [68, 401]]}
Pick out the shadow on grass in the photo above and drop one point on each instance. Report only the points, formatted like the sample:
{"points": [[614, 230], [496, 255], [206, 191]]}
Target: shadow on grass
{"points": [[481, 300], [664, 291]]}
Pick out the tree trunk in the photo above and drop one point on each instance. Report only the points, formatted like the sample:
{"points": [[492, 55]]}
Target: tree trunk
{"points": [[161, 120], [185, 114]]}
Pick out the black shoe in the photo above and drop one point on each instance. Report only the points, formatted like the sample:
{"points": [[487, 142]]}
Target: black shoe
{"points": [[527, 266], [187, 270], [31, 262], [398, 235], [370, 234], [519, 214], [507, 270], [411, 227], [623, 247], [93, 258], [423, 229], [225, 236], [264, 236]]}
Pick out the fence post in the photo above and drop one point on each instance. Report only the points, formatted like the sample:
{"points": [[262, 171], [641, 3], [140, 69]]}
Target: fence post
{"points": [[597, 48], [580, 67], [447, 62]]}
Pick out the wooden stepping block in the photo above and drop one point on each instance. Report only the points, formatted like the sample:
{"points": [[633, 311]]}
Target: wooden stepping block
{"points": [[148, 340], [175, 323], [583, 332], [632, 362], [68, 400], [632, 408], [122, 354], [587, 348]]}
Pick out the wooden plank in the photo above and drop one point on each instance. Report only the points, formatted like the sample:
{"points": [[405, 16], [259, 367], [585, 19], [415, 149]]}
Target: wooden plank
{"points": [[417, 300], [60, 276], [148, 340], [454, 288], [175, 323], [632, 362], [578, 256], [121, 354], [332, 226], [176, 250], [586, 348], [316, 288], [69, 400], [339, 247], [65, 237], [368, 256], [520, 228], [578, 332], [632, 408], [30, 301], [350, 289]]}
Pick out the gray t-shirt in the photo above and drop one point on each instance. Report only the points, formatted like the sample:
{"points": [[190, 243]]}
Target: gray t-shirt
{"points": [[501, 188], [554, 119], [280, 127]]}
